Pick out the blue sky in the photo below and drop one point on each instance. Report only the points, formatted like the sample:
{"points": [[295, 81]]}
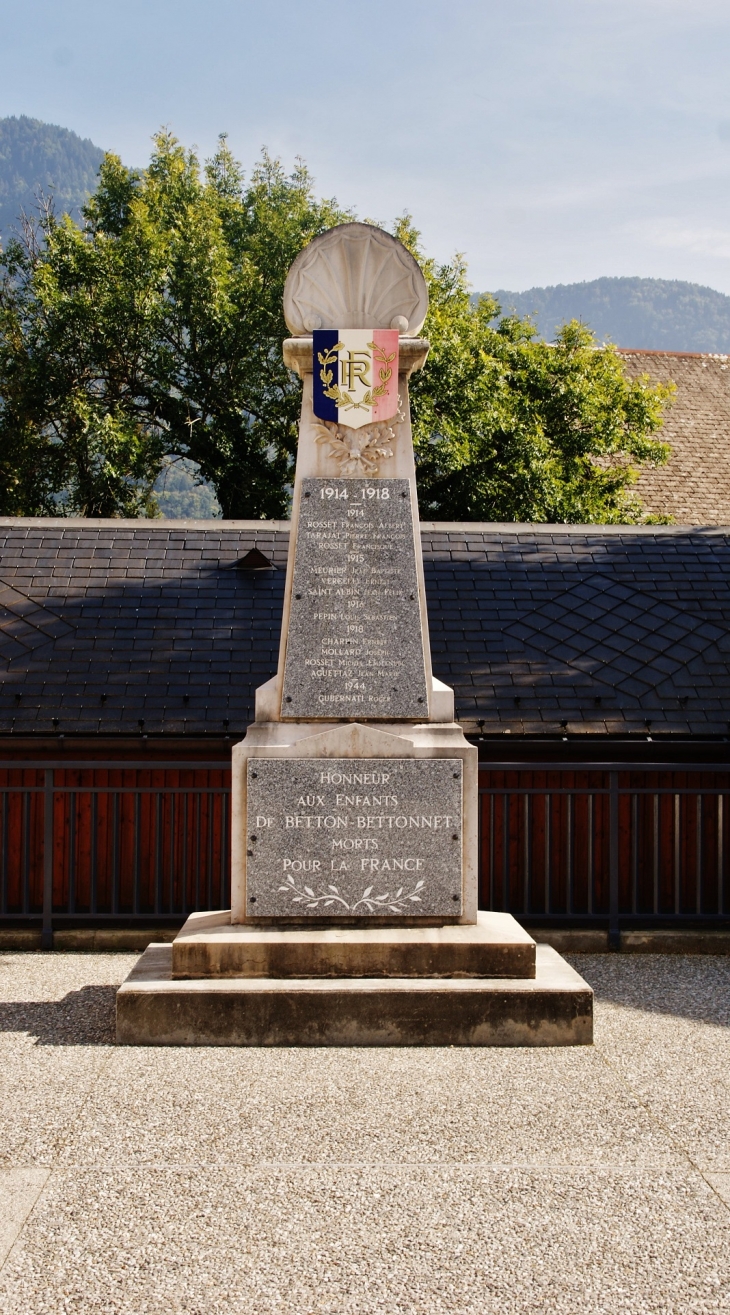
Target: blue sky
{"points": [[549, 140]]}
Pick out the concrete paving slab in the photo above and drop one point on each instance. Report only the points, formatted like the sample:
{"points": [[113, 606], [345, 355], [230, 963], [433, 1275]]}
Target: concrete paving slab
{"points": [[41, 1096], [408, 1181], [55, 1037], [360, 1239], [664, 1026], [28, 977], [19, 1191], [721, 1184], [526, 1106]]}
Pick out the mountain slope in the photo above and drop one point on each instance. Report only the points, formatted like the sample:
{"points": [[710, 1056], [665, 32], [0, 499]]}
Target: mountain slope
{"points": [[663, 314], [40, 156]]}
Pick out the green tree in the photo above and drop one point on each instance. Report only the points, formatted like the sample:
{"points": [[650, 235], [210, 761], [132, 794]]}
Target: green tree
{"points": [[29, 469], [508, 428], [155, 330], [79, 313]]}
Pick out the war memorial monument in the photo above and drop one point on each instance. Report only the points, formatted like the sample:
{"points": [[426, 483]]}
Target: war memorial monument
{"points": [[354, 861]]}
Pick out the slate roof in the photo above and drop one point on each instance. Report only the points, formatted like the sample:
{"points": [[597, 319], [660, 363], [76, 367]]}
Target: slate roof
{"points": [[694, 486], [603, 629], [107, 624]]}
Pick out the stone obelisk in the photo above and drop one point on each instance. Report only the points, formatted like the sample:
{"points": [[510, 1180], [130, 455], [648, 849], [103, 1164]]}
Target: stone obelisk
{"points": [[355, 790], [354, 793]]}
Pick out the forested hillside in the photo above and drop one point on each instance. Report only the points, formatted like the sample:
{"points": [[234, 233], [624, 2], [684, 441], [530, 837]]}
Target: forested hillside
{"points": [[663, 314], [40, 156]]}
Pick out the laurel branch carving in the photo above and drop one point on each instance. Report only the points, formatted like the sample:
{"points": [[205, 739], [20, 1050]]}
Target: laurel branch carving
{"points": [[394, 903]]}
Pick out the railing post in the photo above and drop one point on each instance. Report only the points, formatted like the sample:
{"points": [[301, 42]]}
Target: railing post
{"points": [[47, 932], [614, 931]]}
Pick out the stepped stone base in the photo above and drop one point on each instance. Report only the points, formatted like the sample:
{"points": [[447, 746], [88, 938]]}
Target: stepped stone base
{"points": [[553, 1008], [209, 946]]}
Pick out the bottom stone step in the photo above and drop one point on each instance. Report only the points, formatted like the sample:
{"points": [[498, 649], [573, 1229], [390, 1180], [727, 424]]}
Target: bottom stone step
{"points": [[554, 1008]]}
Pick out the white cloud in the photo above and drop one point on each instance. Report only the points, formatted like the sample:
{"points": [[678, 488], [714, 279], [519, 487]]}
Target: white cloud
{"points": [[671, 234]]}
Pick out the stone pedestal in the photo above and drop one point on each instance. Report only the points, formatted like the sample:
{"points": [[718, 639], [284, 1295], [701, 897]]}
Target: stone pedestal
{"points": [[378, 825], [494, 946], [553, 1008], [354, 863]]}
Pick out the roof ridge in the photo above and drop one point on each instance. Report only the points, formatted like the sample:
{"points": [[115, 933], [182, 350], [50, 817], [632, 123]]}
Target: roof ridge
{"points": [[658, 351], [140, 522]]}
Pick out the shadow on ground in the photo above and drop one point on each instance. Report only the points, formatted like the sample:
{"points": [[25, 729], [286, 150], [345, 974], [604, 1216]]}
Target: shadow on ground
{"points": [[695, 987], [82, 1018], [684, 986]]}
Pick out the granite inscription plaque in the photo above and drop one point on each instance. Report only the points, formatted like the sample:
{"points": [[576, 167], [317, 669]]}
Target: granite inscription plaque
{"points": [[354, 838], [355, 640]]}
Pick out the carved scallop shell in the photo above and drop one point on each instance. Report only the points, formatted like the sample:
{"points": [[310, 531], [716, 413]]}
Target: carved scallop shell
{"points": [[355, 276]]}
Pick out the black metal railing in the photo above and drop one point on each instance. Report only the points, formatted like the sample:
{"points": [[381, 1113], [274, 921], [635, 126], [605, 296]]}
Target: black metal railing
{"points": [[616, 844], [604, 844], [113, 841]]}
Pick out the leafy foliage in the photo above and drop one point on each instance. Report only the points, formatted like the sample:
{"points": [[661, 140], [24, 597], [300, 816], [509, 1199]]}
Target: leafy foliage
{"points": [[507, 428], [153, 334], [180, 494], [155, 330]]}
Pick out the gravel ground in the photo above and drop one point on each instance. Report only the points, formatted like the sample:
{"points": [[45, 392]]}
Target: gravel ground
{"points": [[141, 1182]]}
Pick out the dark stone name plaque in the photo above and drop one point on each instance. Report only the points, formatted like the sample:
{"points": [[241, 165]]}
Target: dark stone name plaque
{"points": [[354, 838], [355, 640]]}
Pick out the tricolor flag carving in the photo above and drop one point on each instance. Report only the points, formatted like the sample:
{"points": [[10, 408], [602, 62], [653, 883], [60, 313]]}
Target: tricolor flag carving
{"points": [[355, 375]]}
